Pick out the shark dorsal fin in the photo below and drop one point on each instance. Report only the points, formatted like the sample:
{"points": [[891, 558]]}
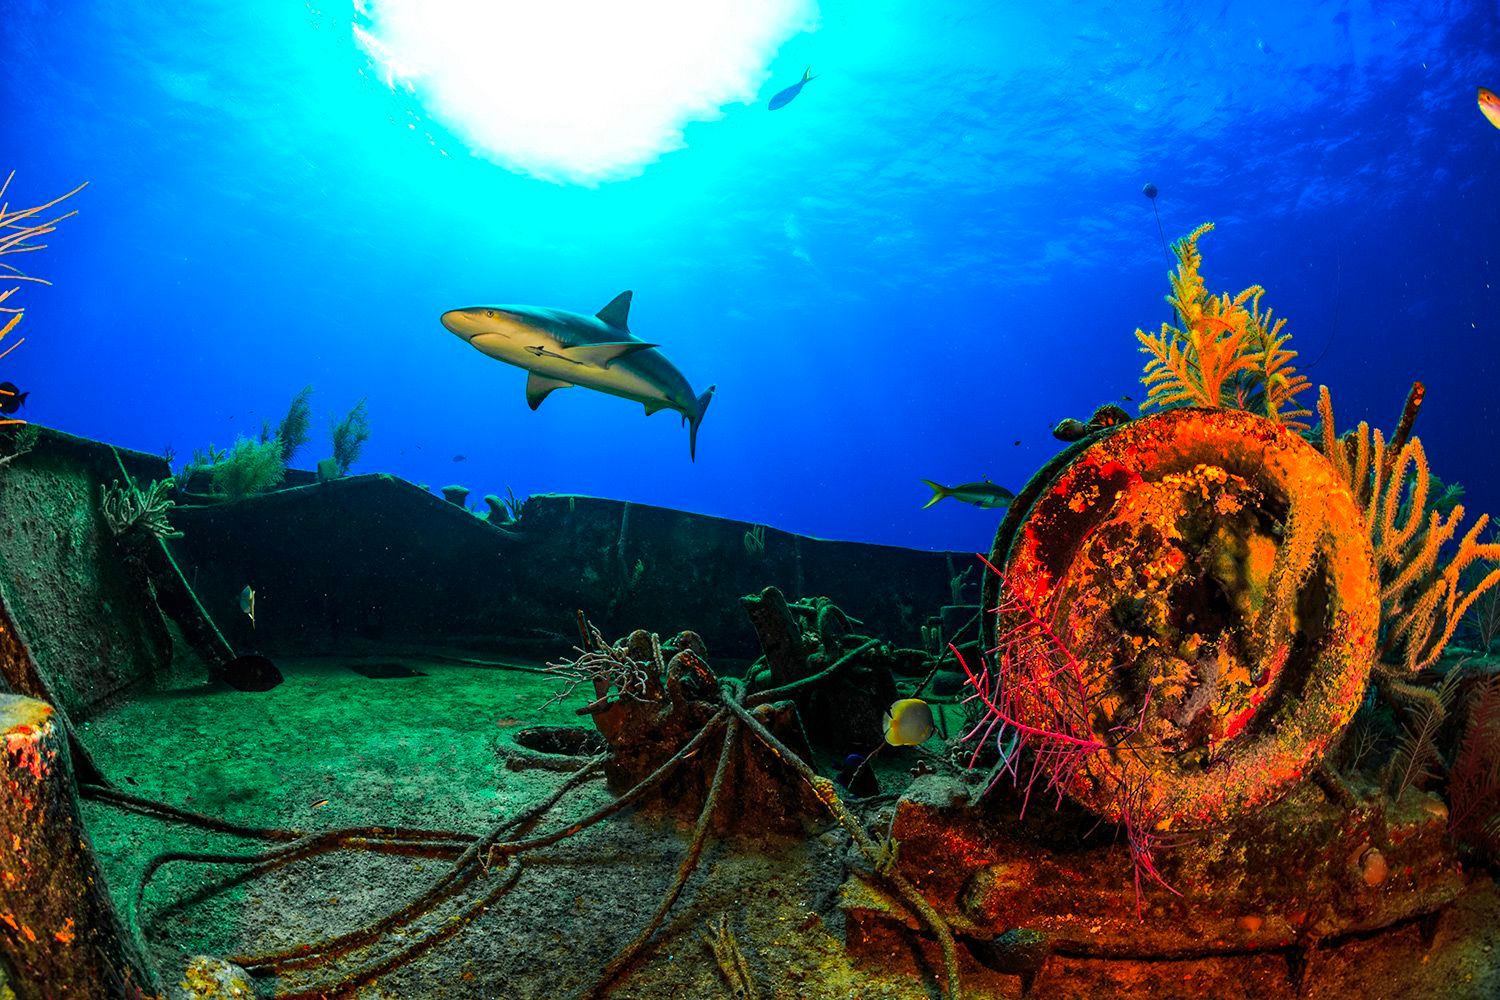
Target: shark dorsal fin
{"points": [[617, 313], [538, 386], [601, 355]]}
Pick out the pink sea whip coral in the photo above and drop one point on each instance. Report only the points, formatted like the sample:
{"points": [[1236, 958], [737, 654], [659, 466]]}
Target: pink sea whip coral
{"points": [[1039, 701]]}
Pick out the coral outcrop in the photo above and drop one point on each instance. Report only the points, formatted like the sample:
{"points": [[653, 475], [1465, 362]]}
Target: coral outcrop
{"points": [[127, 509], [1185, 610]]}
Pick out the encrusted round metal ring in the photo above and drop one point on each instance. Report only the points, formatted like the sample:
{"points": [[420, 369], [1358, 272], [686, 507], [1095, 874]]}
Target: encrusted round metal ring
{"points": [[1187, 613]]}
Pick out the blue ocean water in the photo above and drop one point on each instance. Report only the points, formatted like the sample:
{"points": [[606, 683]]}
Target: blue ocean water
{"points": [[935, 252]]}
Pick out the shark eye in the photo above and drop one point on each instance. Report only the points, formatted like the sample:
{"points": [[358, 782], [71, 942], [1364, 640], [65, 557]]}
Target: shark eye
{"points": [[490, 313]]}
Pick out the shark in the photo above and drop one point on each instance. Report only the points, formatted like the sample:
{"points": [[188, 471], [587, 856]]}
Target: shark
{"points": [[559, 349]]}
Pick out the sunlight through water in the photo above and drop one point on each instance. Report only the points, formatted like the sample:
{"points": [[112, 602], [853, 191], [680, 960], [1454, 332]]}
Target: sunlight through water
{"points": [[579, 91]]}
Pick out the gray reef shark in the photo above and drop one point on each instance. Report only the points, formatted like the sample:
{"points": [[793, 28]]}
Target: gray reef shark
{"points": [[560, 349]]}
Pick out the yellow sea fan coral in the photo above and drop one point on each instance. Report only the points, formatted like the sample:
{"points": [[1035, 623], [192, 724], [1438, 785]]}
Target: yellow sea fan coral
{"points": [[1422, 599], [18, 231], [1279, 382], [1226, 353]]}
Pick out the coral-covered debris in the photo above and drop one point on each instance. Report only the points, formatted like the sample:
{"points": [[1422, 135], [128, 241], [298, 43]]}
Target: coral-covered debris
{"points": [[1187, 618]]}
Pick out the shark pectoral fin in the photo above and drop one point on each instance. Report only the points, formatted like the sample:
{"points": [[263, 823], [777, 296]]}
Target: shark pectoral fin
{"points": [[617, 312], [601, 355], [538, 386]]}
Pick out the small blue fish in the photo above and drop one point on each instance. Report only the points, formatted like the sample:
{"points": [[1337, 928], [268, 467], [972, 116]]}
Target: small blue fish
{"points": [[857, 778], [785, 97]]}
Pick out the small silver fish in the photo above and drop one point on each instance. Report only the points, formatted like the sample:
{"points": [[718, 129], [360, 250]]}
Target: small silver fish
{"points": [[247, 603]]}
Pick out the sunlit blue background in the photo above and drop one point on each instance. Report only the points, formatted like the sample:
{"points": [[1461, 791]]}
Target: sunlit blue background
{"points": [[937, 251]]}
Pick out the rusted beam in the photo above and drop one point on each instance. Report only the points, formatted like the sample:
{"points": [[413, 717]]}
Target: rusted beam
{"points": [[58, 926]]}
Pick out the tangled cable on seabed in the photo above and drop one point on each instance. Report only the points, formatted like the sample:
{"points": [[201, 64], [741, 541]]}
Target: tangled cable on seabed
{"points": [[725, 714]]}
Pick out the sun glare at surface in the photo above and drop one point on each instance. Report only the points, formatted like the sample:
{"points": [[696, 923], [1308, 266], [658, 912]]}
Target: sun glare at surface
{"points": [[580, 91]]}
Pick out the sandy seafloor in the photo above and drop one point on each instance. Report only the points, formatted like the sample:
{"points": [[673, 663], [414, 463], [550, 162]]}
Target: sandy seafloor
{"points": [[421, 751]]}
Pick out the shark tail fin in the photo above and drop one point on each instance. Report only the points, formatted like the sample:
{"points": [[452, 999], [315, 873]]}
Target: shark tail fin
{"points": [[938, 493], [807, 74], [696, 419]]}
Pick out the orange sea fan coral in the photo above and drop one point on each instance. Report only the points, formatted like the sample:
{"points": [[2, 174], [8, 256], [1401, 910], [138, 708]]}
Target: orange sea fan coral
{"points": [[1422, 600], [1279, 383], [18, 231], [1226, 353]]}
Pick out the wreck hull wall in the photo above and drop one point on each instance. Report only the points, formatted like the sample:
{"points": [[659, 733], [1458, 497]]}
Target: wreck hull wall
{"points": [[377, 559], [83, 609]]}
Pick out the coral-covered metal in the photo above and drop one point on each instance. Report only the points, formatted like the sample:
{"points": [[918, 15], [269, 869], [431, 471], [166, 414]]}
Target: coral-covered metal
{"points": [[1186, 613], [59, 930]]}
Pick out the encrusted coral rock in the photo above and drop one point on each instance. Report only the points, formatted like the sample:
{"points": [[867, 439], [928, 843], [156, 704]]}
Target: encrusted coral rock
{"points": [[215, 979], [1187, 617], [649, 709], [689, 640], [1289, 872]]}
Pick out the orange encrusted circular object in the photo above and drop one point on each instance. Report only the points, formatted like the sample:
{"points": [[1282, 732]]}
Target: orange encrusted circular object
{"points": [[1186, 617]]}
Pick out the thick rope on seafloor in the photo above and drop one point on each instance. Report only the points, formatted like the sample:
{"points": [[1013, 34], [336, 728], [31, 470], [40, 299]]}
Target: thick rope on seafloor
{"points": [[827, 793], [628, 954]]}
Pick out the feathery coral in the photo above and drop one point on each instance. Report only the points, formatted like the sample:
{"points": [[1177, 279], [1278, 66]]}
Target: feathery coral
{"points": [[1225, 347], [18, 229], [1474, 779], [292, 433], [350, 435], [1417, 757], [250, 467], [1277, 381], [127, 508]]}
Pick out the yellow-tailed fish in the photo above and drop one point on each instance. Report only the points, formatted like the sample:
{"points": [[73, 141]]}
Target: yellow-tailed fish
{"points": [[908, 722], [981, 494]]}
